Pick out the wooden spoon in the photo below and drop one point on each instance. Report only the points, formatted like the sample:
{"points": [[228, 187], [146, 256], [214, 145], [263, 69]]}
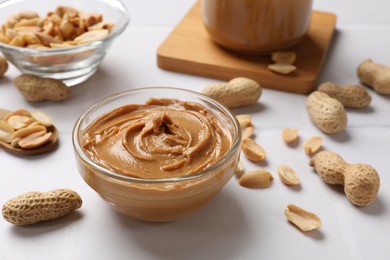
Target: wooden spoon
{"points": [[51, 144]]}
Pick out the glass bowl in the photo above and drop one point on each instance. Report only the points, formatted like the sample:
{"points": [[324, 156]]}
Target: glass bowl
{"points": [[72, 65], [157, 199]]}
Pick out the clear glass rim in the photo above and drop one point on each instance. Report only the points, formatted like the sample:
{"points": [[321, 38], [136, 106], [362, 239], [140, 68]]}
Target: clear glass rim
{"points": [[118, 29], [82, 156]]}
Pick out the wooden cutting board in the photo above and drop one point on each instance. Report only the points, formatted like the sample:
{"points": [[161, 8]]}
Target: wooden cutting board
{"points": [[188, 49]]}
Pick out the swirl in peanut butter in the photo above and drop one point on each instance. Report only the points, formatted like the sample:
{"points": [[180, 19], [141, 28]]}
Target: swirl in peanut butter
{"points": [[160, 139]]}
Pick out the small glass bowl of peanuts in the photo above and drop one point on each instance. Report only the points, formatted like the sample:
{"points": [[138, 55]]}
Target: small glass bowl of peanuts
{"points": [[61, 39]]}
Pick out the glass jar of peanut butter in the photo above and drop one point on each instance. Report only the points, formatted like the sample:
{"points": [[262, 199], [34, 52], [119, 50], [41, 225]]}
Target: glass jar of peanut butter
{"points": [[256, 26]]}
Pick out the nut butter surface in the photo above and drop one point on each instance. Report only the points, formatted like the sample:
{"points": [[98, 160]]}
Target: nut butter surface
{"points": [[160, 139]]}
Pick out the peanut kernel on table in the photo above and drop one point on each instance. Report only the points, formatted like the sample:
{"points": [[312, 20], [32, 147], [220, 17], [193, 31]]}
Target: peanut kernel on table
{"points": [[244, 120], [253, 150], [64, 27], [303, 219], [256, 179], [289, 135], [247, 128], [288, 176], [313, 144]]}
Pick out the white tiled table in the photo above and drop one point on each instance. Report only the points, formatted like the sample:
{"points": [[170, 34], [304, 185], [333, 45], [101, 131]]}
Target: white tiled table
{"points": [[240, 223]]}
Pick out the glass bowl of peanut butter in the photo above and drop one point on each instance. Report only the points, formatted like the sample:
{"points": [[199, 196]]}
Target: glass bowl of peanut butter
{"points": [[61, 39], [157, 154], [256, 26]]}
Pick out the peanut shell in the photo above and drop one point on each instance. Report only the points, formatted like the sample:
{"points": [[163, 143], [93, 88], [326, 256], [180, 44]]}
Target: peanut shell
{"points": [[236, 93], [327, 113], [34, 207], [375, 75], [361, 181], [37, 89], [353, 96]]}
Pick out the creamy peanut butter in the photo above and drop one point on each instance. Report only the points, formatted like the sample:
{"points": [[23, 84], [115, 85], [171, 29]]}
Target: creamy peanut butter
{"points": [[256, 26], [144, 145], [160, 139]]}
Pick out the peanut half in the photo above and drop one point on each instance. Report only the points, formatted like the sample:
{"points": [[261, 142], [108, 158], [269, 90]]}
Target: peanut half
{"points": [[6, 132], [283, 62], [313, 144], [18, 122], [282, 68], [247, 132], [244, 120], [303, 219], [256, 179], [288, 176], [247, 129], [34, 207], [42, 118], [252, 150], [289, 135]]}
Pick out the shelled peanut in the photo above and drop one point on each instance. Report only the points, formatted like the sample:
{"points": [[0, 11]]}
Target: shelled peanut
{"points": [[26, 130], [303, 219], [313, 144], [61, 28], [288, 176], [254, 152], [284, 61], [290, 135], [256, 179]]}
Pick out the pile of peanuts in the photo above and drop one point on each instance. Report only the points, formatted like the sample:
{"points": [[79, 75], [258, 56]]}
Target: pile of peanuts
{"points": [[25, 129], [64, 27]]}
